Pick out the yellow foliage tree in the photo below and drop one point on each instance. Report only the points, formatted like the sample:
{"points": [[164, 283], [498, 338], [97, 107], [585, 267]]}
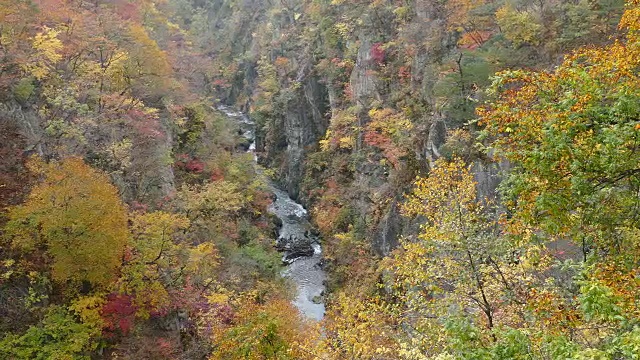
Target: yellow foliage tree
{"points": [[458, 268], [154, 254], [76, 215], [358, 327], [571, 136], [47, 47], [259, 329], [161, 258], [519, 26], [147, 63]]}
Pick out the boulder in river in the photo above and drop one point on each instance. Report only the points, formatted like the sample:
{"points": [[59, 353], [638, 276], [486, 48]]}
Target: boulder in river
{"points": [[290, 258], [297, 250]]}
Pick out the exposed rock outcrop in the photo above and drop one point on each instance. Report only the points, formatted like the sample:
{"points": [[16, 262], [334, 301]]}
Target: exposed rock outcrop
{"points": [[388, 230], [305, 122], [437, 137], [144, 177], [488, 176], [364, 82]]}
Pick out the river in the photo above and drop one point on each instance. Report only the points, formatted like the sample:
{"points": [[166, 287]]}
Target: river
{"points": [[297, 239]]}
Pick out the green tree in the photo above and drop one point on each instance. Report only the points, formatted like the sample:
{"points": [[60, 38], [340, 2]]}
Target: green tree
{"points": [[59, 336], [572, 136], [521, 27]]}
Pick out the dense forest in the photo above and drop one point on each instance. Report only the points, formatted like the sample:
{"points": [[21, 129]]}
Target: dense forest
{"points": [[471, 169]]}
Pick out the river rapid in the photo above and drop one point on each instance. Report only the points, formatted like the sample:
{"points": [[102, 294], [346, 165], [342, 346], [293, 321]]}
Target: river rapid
{"points": [[297, 239]]}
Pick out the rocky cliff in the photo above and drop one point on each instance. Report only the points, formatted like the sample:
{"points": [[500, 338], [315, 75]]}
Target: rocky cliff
{"points": [[323, 72]]}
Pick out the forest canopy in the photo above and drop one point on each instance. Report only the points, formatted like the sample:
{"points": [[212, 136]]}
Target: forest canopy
{"points": [[470, 170]]}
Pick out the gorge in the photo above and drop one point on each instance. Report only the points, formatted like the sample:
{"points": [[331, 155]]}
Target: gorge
{"points": [[386, 180], [296, 237]]}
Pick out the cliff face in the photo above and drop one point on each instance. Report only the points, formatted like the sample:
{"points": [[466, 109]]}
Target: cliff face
{"points": [[363, 80], [381, 77], [304, 122], [306, 78], [354, 99], [136, 162]]}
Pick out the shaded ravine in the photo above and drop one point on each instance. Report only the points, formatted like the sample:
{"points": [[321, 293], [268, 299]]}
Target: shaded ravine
{"points": [[297, 238]]}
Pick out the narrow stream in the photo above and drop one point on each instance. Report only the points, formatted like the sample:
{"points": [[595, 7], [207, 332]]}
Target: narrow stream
{"points": [[297, 239]]}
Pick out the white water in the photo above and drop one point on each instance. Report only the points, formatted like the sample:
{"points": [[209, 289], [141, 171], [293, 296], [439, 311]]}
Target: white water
{"points": [[305, 271]]}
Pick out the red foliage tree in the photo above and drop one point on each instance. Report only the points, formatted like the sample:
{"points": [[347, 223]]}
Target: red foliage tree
{"points": [[377, 53], [195, 166], [118, 314]]}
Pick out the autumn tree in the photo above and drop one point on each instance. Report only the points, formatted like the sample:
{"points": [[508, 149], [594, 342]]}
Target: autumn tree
{"points": [[458, 272], [17, 21], [154, 254], [359, 327], [472, 19], [59, 336], [259, 329], [77, 217], [388, 131], [161, 260], [519, 26], [571, 135]]}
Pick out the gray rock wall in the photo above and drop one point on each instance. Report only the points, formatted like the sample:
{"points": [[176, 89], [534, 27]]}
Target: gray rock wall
{"points": [[305, 122]]}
